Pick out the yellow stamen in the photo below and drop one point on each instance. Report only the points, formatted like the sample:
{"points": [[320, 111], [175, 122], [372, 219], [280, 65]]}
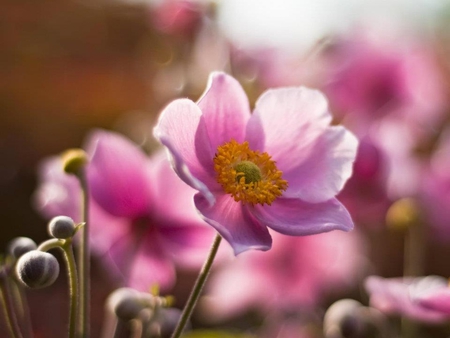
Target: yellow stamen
{"points": [[249, 176]]}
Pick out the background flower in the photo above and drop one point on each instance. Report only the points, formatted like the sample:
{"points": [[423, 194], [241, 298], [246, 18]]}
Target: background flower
{"points": [[143, 220]]}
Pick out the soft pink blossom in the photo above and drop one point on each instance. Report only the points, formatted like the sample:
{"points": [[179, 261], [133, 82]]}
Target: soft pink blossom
{"points": [[292, 126], [142, 218], [425, 299], [371, 76], [297, 273]]}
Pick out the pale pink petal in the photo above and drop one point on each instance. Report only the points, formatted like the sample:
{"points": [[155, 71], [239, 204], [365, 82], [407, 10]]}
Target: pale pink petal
{"points": [[438, 301], [298, 218], [315, 159], [325, 168], [284, 117], [151, 267], [225, 109], [182, 130], [140, 261], [117, 175], [234, 223], [187, 245], [58, 193]]}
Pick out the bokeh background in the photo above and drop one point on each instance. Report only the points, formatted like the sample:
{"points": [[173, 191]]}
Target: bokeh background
{"points": [[67, 66]]}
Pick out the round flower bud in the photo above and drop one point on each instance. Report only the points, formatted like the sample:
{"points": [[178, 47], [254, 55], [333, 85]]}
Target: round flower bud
{"points": [[348, 318], [61, 227], [37, 269], [20, 245], [126, 303], [402, 214], [74, 160]]}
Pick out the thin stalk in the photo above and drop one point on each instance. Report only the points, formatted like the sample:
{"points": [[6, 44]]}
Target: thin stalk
{"points": [[24, 308], [198, 286], [66, 246], [83, 260], [412, 267], [8, 306], [73, 286]]}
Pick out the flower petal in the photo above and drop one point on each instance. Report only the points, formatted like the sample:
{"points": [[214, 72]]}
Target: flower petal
{"points": [[234, 223], [298, 218], [117, 174], [284, 115], [225, 108], [325, 168], [182, 130], [58, 193]]}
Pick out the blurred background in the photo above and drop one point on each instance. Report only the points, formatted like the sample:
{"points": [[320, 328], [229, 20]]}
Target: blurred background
{"points": [[69, 66]]}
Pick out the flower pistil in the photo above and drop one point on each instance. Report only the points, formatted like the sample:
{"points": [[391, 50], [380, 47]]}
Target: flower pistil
{"points": [[249, 176]]}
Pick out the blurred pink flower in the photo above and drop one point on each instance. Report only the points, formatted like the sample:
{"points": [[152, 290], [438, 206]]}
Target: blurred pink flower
{"points": [[142, 217], [425, 299], [435, 190], [371, 76], [177, 17], [280, 167], [365, 195], [296, 274]]}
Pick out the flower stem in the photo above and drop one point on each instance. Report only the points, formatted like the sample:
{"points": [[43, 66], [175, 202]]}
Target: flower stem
{"points": [[8, 306], [73, 285], [66, 246], [83, 260], [24, 309], [198, 286]]}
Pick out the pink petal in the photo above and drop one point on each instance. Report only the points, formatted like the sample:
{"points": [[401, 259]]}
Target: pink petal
{"points": [[284, 115], [225, 108], [187, 245], [141, 261], [234, 223], [118, 174], [298, 218], [182, 130], [325, 167], [58, 193], [438, 301], [150, 266], [315, 159]]}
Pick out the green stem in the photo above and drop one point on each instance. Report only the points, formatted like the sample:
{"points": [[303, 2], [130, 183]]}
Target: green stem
{"points": [[24, 308], [73, 285], [66, 246], [198, 286], [83, 260], [8, 306]]}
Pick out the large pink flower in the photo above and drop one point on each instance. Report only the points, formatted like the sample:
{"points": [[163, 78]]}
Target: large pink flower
{"points": [[142, 218], [280, 167], [426, 299]]}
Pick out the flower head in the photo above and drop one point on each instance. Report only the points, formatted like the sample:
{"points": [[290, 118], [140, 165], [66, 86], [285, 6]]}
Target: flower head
{"points": [[142, 219], [280, 167]]}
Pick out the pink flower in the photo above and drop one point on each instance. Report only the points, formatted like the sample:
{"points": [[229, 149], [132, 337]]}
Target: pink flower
{"points": [[280, 167], [372, 75], [142, 217], [435, 190], [426, 299], [297, 273]]}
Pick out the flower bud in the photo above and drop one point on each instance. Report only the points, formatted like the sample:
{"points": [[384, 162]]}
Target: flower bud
{"points": [[37, 269], [20, 245], [61, 227], [348, 318], [402, 214], [74, 160], [126, 303]]}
